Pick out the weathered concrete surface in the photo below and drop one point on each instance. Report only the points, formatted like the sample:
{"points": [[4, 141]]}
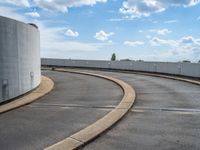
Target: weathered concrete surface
{"points": [[75, 102], [19, 58], [166, 115]]}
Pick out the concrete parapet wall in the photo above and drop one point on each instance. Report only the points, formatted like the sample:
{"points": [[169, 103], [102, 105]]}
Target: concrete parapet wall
{"points": [[19, 58], [184, 69]]}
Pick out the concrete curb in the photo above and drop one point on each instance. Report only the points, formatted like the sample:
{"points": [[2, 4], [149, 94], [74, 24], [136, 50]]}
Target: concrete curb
{"points": [[170, 77], [87, 134], [44, 88]]}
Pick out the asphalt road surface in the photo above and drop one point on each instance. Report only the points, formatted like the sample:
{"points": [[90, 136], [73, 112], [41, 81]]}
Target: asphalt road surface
{"points": [[77, 101], [166, 115]]}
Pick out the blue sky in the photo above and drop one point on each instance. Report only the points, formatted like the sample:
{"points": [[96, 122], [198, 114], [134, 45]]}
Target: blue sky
{"points": [[151, 30]]}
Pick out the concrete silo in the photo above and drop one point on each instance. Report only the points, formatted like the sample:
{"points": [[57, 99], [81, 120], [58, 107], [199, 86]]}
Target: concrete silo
{"points": [[19, 58]]}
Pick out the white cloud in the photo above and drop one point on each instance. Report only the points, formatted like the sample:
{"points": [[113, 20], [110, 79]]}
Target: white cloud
{"points": [[63, 5], [170, 21], [52, 40], [184, 41], [140, 8], [33, 14], [163, 31], [103, 36], [71, 33], [186, 47], [54, 44], [155, 41], [11, 13], [198, 18], [54, 5], [17, 2], [133, 43], [189, 40]]}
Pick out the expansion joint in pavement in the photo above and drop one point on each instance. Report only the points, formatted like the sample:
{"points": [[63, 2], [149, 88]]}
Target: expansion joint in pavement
{"points": [[165, 109], [71, 106]]}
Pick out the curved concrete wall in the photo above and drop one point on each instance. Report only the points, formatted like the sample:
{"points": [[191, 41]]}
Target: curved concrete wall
{"points": [[19, 58], [184, 69]]}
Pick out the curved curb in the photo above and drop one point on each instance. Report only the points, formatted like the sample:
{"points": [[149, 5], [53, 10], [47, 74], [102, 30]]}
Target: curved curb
{"points": [[87, 134], [170, 77], [44, 88]]}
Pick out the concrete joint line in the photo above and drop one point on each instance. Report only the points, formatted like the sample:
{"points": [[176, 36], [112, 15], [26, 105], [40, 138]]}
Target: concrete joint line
{"points": [[89, 133], [77, 140], [44, 88]]}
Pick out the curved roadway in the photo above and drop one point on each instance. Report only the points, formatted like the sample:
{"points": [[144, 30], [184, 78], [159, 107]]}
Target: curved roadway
{"points": [[76, 102], [166, 114]]}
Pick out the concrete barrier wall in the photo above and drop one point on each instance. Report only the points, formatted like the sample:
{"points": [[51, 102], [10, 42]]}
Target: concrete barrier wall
{"points": [[19, 58], [185, 69]]}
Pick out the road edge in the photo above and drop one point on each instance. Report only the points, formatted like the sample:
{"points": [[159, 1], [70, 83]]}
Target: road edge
{"points": [[44, 88], [95, 129], [170, 77]]}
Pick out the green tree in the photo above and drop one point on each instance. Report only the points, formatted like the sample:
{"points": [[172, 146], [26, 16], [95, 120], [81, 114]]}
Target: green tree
{"points": [[186, 61], [199, 61], [113, 58], [125, 59], [140, 60]]}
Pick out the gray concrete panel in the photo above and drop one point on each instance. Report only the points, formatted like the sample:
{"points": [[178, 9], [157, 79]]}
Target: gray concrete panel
{"points": [[19, 58], [185, 69]]}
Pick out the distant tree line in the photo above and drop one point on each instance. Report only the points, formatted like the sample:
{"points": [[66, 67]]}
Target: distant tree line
{"points": [[186, 61], [114, 58]]}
